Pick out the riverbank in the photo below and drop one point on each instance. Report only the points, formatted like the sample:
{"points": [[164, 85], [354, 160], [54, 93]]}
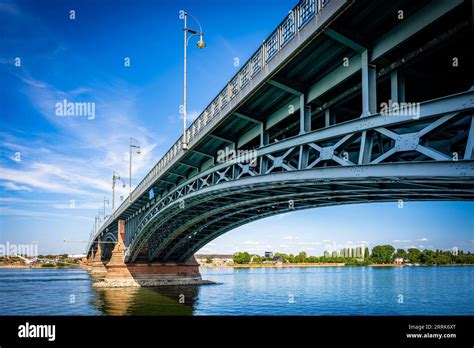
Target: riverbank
{"points": [[307, 264], [36, 267], [303, 264]]}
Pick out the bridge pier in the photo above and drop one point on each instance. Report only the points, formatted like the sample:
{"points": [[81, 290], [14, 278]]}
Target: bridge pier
{"points": [[121, 274], [97, 266]]}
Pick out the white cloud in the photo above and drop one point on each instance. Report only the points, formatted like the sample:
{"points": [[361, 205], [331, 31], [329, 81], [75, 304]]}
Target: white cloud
{"points": [[424, 239], [6, 211], [80, 159], [57, 204], [309, 243], [11, 186]]}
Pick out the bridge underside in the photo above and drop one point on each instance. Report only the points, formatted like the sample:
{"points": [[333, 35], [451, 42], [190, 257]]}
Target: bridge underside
{"points": [[183, 230], [319, 131]]}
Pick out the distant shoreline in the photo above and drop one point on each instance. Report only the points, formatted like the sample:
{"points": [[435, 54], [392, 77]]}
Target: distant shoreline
{"points": [[303, 264], [35, 267], [255, 265], [306, 264]]}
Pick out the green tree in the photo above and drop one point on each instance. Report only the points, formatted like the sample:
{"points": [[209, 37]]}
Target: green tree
{"points": [[428, 257], [240, 257], [282, 256], [443, 259], [414, 255], [301, 257], [382, 253], [400, 253], [366, 254], [257, 259]]}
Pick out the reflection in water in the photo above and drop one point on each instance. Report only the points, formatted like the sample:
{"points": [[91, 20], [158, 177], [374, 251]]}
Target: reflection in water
{"points": [[173, 300], [437, 290]]}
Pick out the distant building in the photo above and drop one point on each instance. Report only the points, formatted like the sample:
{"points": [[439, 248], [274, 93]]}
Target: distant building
{"points": [[216, 260], [398, 260], [279, 259], [269, 254]]}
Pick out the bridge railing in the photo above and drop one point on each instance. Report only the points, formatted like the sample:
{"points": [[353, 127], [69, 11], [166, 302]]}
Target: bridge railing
{"points": [[295, 21]]}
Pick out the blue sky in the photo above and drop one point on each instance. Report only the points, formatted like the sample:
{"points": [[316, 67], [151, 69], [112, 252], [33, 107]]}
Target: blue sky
{"points": [[48, 161]]}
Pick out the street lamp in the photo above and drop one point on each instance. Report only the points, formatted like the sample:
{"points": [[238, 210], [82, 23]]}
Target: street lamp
{"points": [[115, 177], [200, 44], [106, 200], [137, 147], [99, 220]]}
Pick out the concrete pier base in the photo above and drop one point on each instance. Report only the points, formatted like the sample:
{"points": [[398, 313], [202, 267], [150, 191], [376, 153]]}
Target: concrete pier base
{"points": [[97, 266], [119, 274], [150, 275]]}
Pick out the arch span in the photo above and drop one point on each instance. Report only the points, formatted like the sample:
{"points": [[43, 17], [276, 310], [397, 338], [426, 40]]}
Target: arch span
{"points": [[176, 231]]}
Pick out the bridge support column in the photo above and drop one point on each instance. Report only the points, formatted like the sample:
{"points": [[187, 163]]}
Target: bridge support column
{"points": [[369, 105], [305, 116], [369, 86], [121, 274], [116, 268], [264, 140], [97, 264], [397, 87]]}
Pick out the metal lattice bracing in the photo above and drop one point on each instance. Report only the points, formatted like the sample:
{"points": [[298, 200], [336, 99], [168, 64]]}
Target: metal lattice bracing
{"points": [[383, 157]]}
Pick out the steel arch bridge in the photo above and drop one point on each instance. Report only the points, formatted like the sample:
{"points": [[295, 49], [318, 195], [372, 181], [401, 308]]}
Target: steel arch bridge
{"points": [[308, 131]]}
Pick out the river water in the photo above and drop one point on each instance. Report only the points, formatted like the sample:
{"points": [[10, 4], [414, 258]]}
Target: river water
{"points": [[442, 290]]}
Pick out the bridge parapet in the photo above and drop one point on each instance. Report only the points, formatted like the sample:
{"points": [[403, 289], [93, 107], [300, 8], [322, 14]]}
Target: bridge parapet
{"points": [[262, 62]]}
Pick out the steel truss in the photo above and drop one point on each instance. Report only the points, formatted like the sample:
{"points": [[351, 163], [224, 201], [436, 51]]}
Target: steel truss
{"points": [[378, 158]]}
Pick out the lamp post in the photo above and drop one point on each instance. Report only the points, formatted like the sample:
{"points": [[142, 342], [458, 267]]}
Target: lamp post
{"points": [[99, 220], [200, 44], [115, 177], [106, 200], [137, 147]]}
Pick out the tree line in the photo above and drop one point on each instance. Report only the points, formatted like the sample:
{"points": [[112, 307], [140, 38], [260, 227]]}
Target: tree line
{"points": [[380, 254]]}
